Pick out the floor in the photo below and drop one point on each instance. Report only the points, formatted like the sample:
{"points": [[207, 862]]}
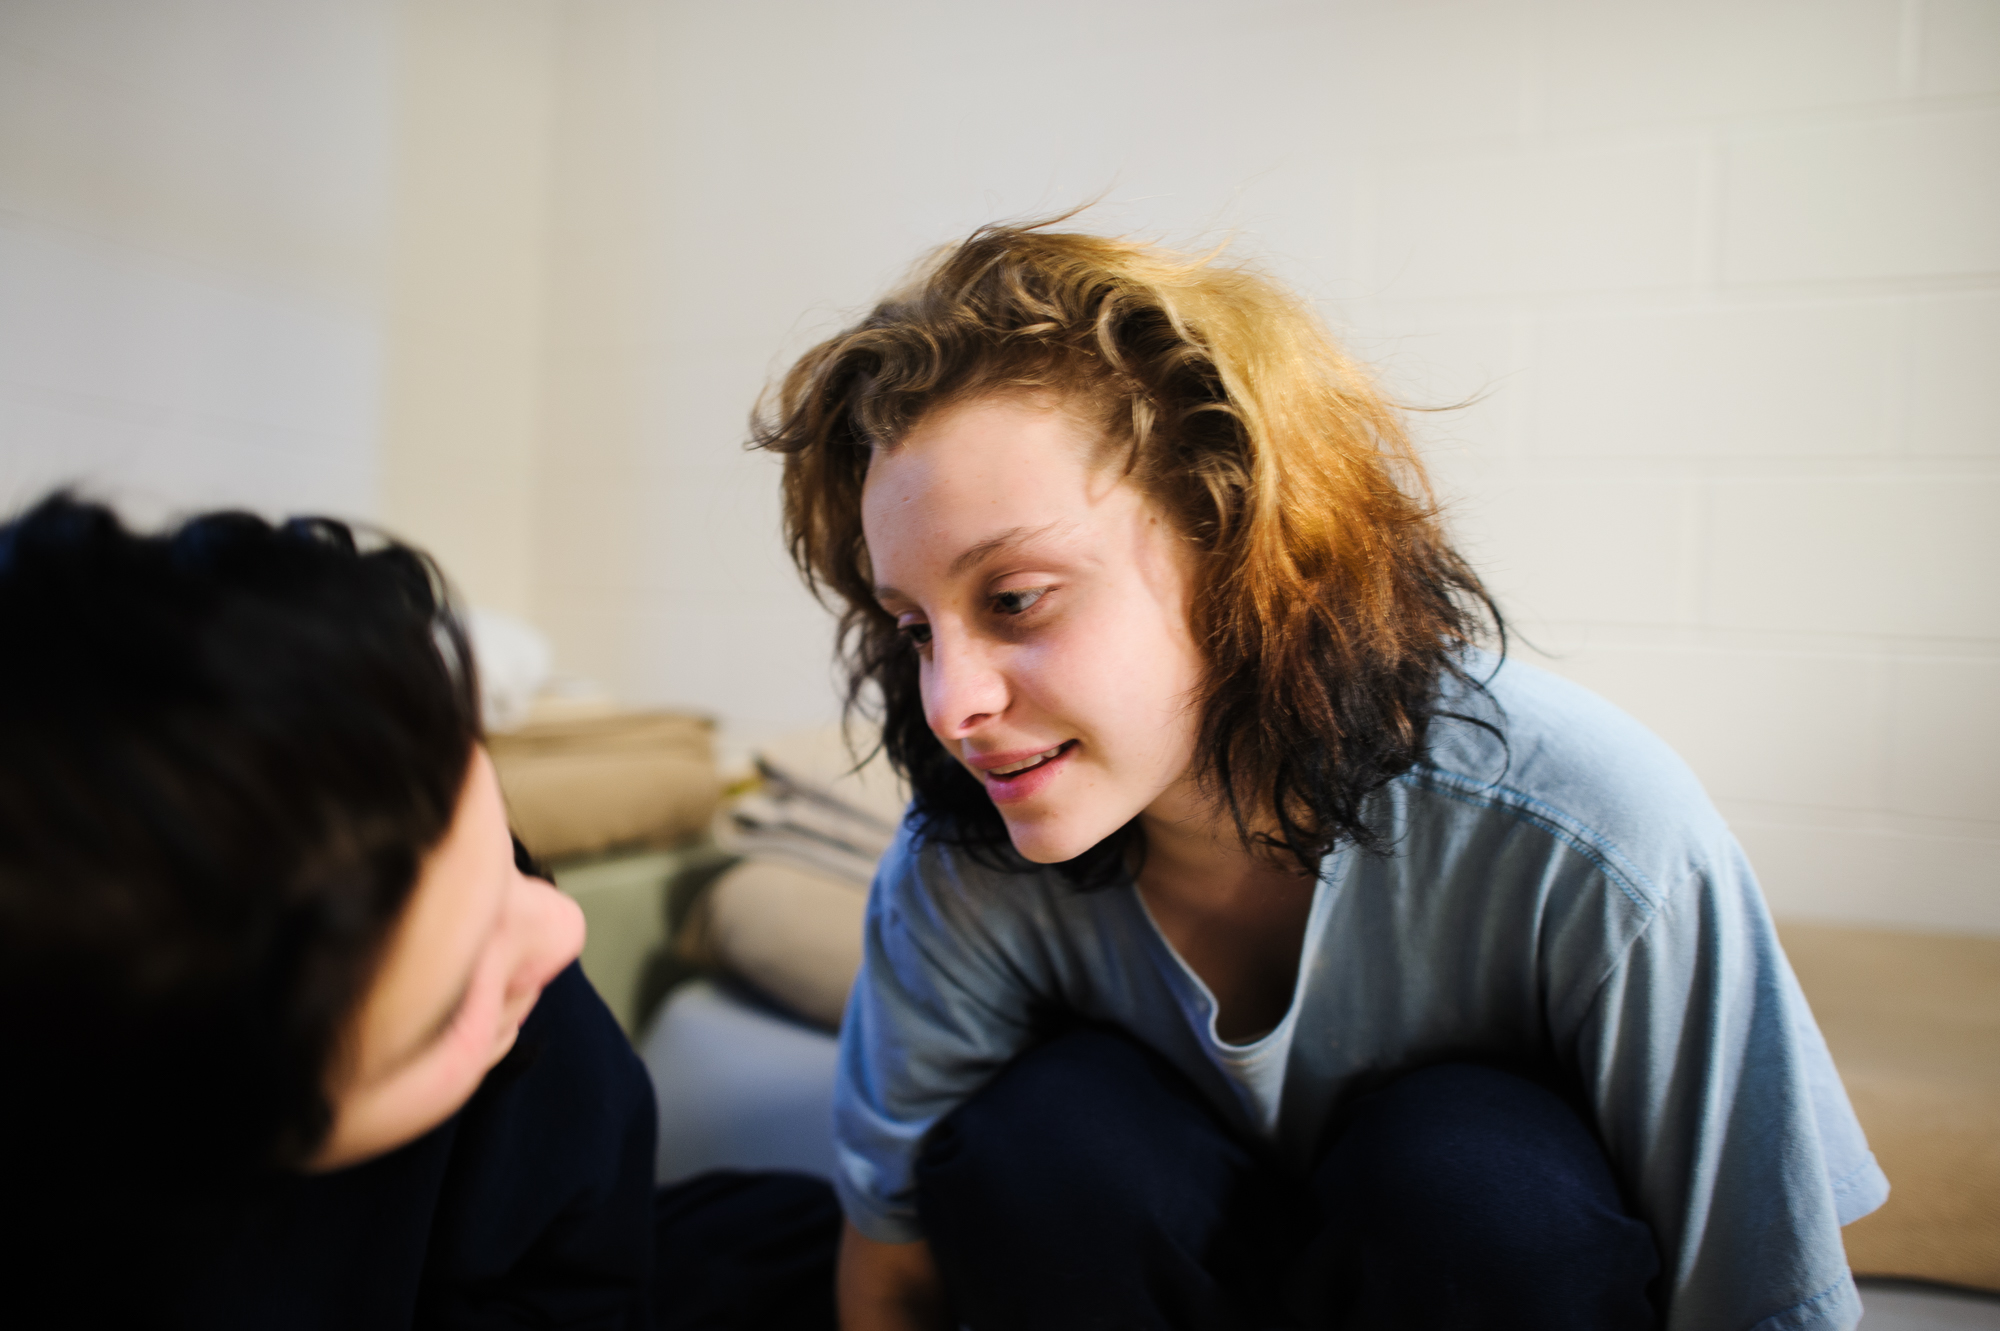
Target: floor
{"points": [[1890, 1306]]}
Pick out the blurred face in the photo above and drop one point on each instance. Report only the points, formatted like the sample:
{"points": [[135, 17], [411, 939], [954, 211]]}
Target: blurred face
{"points": [[1048, 601], [472, 952]]}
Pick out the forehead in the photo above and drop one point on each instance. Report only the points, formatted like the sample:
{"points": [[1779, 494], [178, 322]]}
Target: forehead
{"points": [[1035, 422], [974, 460], [997, 480]]}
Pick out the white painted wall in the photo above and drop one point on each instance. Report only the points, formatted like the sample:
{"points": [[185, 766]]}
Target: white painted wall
{"points": [[601, 589], [193, 200], [1728, 275], [467, 321], [812, 152]]}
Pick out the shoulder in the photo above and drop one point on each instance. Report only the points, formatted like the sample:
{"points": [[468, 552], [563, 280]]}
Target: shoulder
{"points": [[928, 881], [1533, 747], [572, 1071], [547, 1204], [937, 907], [570, 1024]]}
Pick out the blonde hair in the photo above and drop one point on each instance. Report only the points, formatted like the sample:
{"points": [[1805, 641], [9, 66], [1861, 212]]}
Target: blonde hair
{"points": [[1329, 603]]}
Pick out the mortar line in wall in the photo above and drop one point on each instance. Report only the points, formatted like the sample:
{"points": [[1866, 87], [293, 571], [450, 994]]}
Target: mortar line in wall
{"points": [[1881, 760], [1523, 340], [343, 280], [1363, 202], [1530, 97], [1902, 375], [1703, 294], [1863, 288], [1512, 148], [1727, 469], [1777, 642], [1641, 134], [1878, 820], [1692, 601], [1710, 201], [1910, 48]]}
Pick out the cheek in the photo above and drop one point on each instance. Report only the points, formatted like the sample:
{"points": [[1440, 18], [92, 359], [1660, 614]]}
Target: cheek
{"points": [[1132, 682], [467, 1053], [423, 1095]]}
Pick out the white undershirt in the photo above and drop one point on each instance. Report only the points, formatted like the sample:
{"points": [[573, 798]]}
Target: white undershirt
{"points": [[1255, 1069]]}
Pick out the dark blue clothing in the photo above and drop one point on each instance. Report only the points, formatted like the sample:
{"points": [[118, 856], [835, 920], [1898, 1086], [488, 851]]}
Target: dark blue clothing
{"points": [[1091, 1184], [746, 1252], [532, 1206]]}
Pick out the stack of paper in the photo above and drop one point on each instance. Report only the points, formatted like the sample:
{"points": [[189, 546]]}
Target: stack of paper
{"points": [[816, 805]]}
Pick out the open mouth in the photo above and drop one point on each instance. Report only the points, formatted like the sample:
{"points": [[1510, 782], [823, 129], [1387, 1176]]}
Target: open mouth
{"points": [[1026, 765]]}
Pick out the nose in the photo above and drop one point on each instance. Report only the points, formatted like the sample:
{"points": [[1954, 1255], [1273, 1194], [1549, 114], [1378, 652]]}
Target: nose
{"points": [[551, 931], [963, 686]]}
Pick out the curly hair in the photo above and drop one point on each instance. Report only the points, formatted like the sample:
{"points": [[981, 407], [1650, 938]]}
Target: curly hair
{"points": [[1328, 603]]}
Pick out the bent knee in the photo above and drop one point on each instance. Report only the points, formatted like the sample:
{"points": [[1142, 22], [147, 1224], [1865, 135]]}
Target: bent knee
{"points": [[1488, 1156], [1091, 1121]]}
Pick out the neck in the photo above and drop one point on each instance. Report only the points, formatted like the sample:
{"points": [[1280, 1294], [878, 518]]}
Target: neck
{"points": [[1236, 917], [1193, 846]]}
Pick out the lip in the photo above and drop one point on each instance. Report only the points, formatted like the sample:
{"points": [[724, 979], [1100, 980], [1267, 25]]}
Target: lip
{"points": [[986, 762], [1008, 789]]}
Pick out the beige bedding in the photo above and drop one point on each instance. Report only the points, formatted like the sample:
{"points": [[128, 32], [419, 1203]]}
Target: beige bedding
{"points": [[1913, 1021], [628, 779]]}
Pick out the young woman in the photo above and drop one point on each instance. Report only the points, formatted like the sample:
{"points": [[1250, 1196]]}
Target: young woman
{"points": [[293, 1032], [1259, 950]]}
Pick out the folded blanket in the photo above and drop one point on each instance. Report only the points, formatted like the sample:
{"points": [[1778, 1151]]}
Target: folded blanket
{"points": [[818, 806], [582, 786]]}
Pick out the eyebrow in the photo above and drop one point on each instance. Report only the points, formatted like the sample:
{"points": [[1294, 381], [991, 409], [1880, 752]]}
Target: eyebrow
{"points": [[992, 545]]}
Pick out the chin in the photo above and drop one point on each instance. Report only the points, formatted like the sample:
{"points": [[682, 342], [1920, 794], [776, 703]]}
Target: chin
{"points": [[1053, 840]]}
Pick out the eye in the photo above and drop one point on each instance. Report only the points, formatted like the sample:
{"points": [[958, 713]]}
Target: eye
{"points": [[917, 632], [1018, 601]]}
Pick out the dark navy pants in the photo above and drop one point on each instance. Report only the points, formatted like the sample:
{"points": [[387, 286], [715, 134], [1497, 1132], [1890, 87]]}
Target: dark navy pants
{"points": [[1090, 1185]]}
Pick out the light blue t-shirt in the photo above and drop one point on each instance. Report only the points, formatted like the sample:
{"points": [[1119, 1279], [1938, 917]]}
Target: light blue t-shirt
{"points": [[1572, 898]]}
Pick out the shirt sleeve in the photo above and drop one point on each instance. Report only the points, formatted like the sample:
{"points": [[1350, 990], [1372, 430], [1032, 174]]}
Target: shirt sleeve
{"points": [[941, 1004], [1720, 1103]]}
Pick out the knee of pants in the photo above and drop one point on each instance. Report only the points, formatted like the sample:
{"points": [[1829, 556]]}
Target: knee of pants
{"points": [[1091, 1124], [1484, 1163], [1090, 1185]]}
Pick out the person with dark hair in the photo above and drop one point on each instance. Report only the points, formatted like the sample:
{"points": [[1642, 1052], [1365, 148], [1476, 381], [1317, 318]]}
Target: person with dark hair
{"points": [[1261, 947], [293, 1028]]}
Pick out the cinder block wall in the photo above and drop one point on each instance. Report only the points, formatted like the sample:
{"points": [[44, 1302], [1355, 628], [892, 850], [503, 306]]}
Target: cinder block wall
{"points": [[1729, 277], [1727, 274], [193, 217]]}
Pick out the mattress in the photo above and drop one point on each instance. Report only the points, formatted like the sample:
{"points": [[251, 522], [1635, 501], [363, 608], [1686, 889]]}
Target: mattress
{"points": [[739, 1085]]}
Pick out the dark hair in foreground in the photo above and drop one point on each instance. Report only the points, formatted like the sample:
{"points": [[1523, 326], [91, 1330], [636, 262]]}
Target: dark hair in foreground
{"points": [[1329, 602], [224, 751]]}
